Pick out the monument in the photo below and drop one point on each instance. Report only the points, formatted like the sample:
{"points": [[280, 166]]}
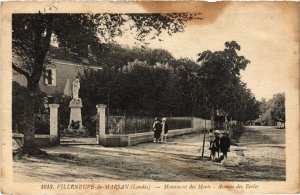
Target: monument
{"points": [[75, 107]]}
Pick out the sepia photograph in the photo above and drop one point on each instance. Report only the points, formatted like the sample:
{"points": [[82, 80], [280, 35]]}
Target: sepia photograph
{"points": [[151, 96]]}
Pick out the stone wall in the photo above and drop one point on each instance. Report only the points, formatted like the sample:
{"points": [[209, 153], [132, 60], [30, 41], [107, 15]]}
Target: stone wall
{"points": [[40, 140], [136, 138], [119, 140], [43, 140]]}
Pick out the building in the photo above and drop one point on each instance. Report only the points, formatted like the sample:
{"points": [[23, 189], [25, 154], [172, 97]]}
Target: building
{"points": [[59, 73]]}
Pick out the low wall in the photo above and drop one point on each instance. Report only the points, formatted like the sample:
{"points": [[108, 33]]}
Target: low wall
{"points": [[121, 140], [40, 140], [133, 139]]}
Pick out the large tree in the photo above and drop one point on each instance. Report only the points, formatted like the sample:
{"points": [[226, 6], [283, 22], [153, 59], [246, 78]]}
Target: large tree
{"points": [[273, 110], [220, 77], [32, 35], [278, 107]]}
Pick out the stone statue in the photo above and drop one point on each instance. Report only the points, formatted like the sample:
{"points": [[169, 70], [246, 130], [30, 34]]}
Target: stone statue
{"points": [[75, 89], [75, 107]]}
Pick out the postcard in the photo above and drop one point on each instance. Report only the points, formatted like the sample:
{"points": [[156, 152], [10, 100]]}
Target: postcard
{"points": [[150, 97]]}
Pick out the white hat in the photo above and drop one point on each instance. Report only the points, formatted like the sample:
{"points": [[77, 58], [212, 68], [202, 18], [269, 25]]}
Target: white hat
{"points": [[217, 131], [163, 119]]}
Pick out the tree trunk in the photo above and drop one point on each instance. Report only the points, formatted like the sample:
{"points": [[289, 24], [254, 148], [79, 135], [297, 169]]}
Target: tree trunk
{"points": [[226, 122], [29, 134], [212, 117], [42, 31], [41, 47]]}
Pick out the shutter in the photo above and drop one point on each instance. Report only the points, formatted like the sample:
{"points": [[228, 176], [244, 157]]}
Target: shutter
{"points": [[53, 70], [46, 79]]}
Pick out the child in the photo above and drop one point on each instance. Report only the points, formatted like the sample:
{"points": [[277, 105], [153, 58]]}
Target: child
{"points": [[164, 132], [224, 144], [215, 145], [211, 138]]}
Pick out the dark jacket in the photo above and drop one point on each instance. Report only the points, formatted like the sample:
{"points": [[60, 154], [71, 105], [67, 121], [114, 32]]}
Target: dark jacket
{"points": [[157, 129], [224, 143], [216, 144]]}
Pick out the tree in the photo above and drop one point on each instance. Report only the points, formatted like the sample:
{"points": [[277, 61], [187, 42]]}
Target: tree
{"points": [[116, 57], [32, 34], [18, 99], [273, 110], [244, 107], [278, 107], [143, 89], [220, 77], [252, 108]]}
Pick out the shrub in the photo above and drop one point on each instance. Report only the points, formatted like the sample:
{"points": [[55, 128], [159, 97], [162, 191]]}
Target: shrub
{"points": [[41, 123], [236, 129], [133, 124], [90, 123], [41, 115], [175, 123]]}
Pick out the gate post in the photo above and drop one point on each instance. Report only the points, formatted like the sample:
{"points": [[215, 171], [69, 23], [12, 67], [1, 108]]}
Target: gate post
{"points": [[101, 123], [54, 136]]}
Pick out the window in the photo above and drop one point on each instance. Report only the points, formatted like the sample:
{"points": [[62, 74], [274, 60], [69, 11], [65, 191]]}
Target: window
{"points": [[50, 77], [50, 100]]}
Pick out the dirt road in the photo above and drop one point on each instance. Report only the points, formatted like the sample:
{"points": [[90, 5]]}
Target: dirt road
{"points": [[178, 160]]}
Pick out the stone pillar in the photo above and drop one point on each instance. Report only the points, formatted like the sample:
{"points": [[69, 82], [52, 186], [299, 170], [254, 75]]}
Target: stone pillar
{"points": [[54, 136], [75, 113], [101, 123]]}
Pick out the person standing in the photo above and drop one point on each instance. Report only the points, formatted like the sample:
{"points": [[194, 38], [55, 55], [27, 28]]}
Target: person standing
{"points": [[215, 145], [157, 129], [224, 144], [211, 139], [164, 132]]}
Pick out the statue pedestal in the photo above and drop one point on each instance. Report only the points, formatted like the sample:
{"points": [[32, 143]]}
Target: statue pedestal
{"points": [[75, 114]]}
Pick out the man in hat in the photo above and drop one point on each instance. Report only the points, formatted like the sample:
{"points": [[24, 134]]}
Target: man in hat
{"points": [[225, 144], [164, 132]]}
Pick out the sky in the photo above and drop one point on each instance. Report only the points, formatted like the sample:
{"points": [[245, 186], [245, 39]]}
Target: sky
{"points": [[268, 34]]}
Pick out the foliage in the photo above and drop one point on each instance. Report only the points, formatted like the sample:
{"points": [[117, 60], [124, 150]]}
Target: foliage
{"points": [[176, 88], [41, 123], [41, 113], [277, 106], [130, 124], [273, 110], [32, 34], [236, 129], [149, 80], [244, 106], [125, 55], [219, 78], [141, 89]]}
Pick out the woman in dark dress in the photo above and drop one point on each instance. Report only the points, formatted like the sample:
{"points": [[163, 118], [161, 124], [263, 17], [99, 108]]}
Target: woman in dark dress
{"points": [[224, 144], [157, 129]]}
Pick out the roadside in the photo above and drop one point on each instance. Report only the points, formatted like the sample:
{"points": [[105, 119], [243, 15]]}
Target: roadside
{"points": [[178, 160]]}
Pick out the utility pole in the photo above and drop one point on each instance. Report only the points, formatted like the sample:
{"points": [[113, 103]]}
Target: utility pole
{"points": [[203, 139]]}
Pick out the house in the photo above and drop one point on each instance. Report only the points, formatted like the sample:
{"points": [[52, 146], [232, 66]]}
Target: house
{"points": [[58, 72]]}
